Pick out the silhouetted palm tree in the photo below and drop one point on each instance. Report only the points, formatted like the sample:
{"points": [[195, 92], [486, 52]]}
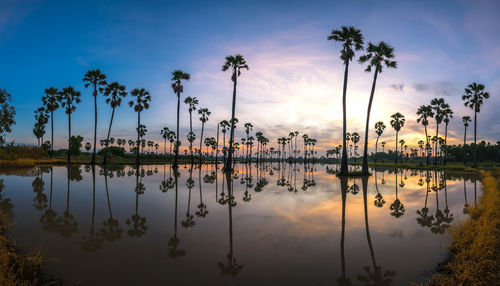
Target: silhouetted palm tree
{"points": [[351, 40], [140, 103], [377, 56], [473, 98], [447, 114], [69, 98], [438, 105], [235, 63], [191, 102], [51, 101], [425, 112], [204, 114], [114, 93], [397, 122], [379, 129], [465, 120], [177, 77], [397, 207], [97, 80]]}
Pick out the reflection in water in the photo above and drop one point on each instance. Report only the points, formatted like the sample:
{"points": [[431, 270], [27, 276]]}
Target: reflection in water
{"points": [[286, 220]]}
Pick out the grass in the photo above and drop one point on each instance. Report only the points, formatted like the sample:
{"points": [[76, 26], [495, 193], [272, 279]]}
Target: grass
{"points": [[475, 244]]}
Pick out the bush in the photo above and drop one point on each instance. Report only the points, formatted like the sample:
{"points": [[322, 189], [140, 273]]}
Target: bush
{"points": [[114, 151]]}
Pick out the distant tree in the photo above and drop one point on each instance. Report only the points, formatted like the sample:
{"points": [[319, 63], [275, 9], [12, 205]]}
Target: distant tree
{"points": [[425, 112], [140, 103], [191, 102], [465, 120], [88, 146], [75, 145], [113, 93], [379, 129], [97, 81], [473, 98], [177, 77], [69, 98], [51, 101], [438, 106], [397, 122], [204, 114]]}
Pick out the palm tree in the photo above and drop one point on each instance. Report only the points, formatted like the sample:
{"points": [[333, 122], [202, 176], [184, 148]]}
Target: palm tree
{"points": [[438, 105], [191, 102], [447, 114], [164, 133], [177, 77], [140, 103], [352, 40], [248, 128], [473, 98], [204, 113], [402, 143], [114, 93], [41, 117], [465, 120], [224, 124], [377, 56], [425, 112], [69, 97], [397, 122], [51, 101], [383, 146], [379, 129], [97, 80], [235, 63]]}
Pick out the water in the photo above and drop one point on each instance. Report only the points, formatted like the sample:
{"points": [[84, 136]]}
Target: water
{"points": [[283, 225]]}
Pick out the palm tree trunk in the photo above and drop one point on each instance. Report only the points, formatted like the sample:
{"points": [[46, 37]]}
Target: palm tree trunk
{"points": [[138, 150], [228, 166], [176, 146], [201, 139], [52, 133], [191, 132], [343, 166], [365, 151], [396, 161], [217, 148], [95, 124], [426, 143], [69, 137], [436, 146], [475, 128], [465, 138], [165, 149], [445, 145], [107, 138]]}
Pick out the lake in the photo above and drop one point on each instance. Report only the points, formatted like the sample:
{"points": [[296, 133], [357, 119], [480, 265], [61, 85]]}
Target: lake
{"points": [[276, 224]]}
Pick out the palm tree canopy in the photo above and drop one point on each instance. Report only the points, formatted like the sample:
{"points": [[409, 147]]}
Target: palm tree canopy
{"points": [[177, 77], [350, 38], [236, 63], [377, 56], [192, 102], [474, 95], [397, 121], [142, 99], [379, 128], [51, 99], [114, 92], [69, 97], [447, 114], [438, 105], [424, 112], [95, 78], [204, 114], [466, 120]]}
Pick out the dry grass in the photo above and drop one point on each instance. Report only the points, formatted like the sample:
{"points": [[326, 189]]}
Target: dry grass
{"points": [[17, 163], [10, 152], [475, 245]]}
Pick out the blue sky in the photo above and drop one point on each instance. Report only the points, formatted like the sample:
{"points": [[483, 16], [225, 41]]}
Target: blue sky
{"points": [[295, 76]]}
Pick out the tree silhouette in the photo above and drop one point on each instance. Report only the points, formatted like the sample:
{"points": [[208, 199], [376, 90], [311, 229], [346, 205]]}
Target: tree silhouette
{"points": [[425, 112], [377, 56], [177, 77], [473, 98], [111, 229], [69, 98], [191, 102], [93, 242], [397, 207], [465, 120], [114, 93], [438, 106], [351, 40], [140, 103], [204, 114], [235, 63], [51, 101], [397, 122]]}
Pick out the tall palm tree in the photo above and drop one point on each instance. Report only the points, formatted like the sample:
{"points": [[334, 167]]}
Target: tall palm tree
{"points": [[447, 114], [351, 40], [224, 125], [465, 120], [191, 102], [473, 98], [379, 129], [438, 105], [377, 56], [204, 114], [235, 63], [97, 80], [177, 77], [397, 122], [248, 128], [425, 112], [51, 101], [114, 93], [69, 98], [140, 103]]}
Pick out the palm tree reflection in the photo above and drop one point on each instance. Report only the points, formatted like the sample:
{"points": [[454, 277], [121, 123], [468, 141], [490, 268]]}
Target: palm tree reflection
{"points": [[397, 207], [111, 230], [344, 187], [230, 267], [94, 241], [136, 222], [173, 243], [424, 219], [48, 218], [66, 226], [202, 208]]}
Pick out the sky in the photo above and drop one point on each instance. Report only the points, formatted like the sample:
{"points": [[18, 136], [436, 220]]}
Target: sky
{"points": [[295, 77]]}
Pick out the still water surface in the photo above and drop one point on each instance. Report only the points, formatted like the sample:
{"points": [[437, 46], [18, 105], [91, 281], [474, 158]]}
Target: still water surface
{"points": [[275, 225]]}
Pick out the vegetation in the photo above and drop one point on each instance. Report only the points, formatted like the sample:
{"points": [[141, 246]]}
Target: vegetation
{"points": [[475, 244], [7, 113]]}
